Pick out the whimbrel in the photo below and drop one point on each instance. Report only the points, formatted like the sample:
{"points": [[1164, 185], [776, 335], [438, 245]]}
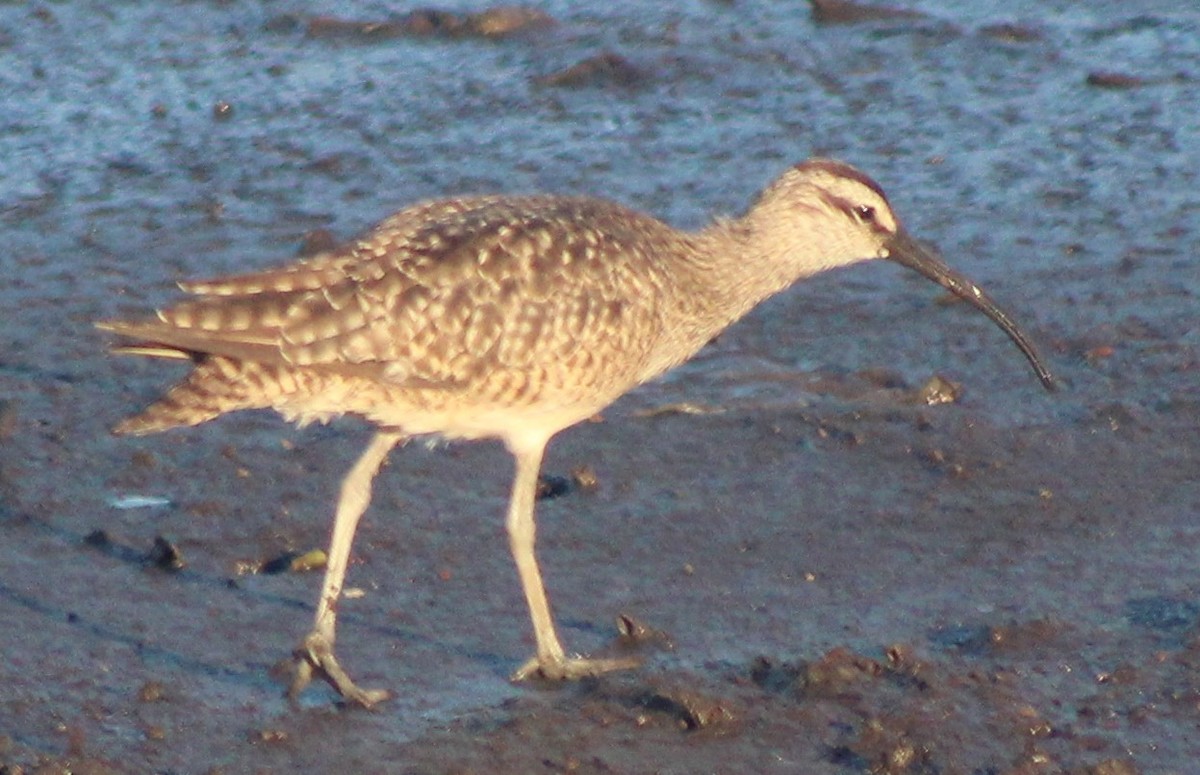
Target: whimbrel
{"points": [[509, 317]]}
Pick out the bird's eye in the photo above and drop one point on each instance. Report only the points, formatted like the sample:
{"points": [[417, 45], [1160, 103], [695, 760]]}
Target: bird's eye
{"points": [[865, 213]]}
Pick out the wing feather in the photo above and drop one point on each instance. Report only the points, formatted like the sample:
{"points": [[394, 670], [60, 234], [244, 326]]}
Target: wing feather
{"points": [[440, 293]]}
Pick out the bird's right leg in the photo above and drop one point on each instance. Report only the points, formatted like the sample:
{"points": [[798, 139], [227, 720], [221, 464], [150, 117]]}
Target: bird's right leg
{"points": [[550, 661], [315, 652]]}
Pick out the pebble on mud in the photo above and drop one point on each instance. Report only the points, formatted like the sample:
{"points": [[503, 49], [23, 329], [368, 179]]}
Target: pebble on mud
{"points": [[847, 12], [152, 691], [635, 633], [902, 659], [889, 750], [314, 559], [552, 486], [269, 736], [604, 69], [1108, 80], [938, 461], [165, 555], [774, 676], [506, 20], [1095, 355], [691, 710], [584, 477], [835, 432], [939, 390], [839, 671], [288, 562]]}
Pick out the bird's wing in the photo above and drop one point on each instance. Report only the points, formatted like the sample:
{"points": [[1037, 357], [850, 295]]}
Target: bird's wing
{"points": [[517, 283], [329, 267], [435, 294], [240, 316]]}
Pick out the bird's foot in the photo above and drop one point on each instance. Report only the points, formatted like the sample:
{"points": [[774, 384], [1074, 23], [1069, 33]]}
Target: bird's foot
{"points": [[314, 656], [571, 668]]}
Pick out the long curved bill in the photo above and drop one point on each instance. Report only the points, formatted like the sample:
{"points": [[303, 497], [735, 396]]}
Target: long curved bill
{"points": [[906, 251]]}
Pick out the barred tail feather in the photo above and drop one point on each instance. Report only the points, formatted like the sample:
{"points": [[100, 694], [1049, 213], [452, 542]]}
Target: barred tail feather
{"points": [[216, 386]]}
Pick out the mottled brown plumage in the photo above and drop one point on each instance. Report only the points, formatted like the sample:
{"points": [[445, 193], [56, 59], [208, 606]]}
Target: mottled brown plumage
{"points": [[503, 317], [489, 304]]}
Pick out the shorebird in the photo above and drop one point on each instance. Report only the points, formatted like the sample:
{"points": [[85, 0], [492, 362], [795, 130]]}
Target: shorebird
{"points": [[509, 317]]}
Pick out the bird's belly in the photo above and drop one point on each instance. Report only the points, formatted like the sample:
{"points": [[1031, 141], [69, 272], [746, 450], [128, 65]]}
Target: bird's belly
{"points": [[502, 405]]}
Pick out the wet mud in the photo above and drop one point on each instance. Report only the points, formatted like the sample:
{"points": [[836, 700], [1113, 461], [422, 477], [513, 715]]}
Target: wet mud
{"points": [[854, 535]]}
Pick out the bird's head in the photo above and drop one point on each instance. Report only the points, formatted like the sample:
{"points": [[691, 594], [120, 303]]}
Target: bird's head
{"points": [[823, 214]]}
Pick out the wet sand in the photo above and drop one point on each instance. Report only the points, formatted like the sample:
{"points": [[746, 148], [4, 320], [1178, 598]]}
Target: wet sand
{"points": [[837, 577]]}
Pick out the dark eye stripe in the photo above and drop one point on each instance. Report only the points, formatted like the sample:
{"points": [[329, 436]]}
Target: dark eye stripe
{"points": [[854, 212]]}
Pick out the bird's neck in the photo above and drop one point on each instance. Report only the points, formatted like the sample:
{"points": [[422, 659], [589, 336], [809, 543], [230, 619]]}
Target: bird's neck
{"points": [[772, 246], [737, 265], [725, 269], [720, 274]]}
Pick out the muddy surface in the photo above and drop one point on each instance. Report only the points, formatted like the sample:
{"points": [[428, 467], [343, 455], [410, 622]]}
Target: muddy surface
{"points": [[835, 577]]}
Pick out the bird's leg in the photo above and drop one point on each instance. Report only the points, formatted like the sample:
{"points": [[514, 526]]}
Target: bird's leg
{"points": [[315, 652], [551, 661]]}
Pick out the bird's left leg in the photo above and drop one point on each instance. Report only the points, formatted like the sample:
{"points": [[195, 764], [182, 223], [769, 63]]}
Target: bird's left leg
{"points": [[315, 655]]}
